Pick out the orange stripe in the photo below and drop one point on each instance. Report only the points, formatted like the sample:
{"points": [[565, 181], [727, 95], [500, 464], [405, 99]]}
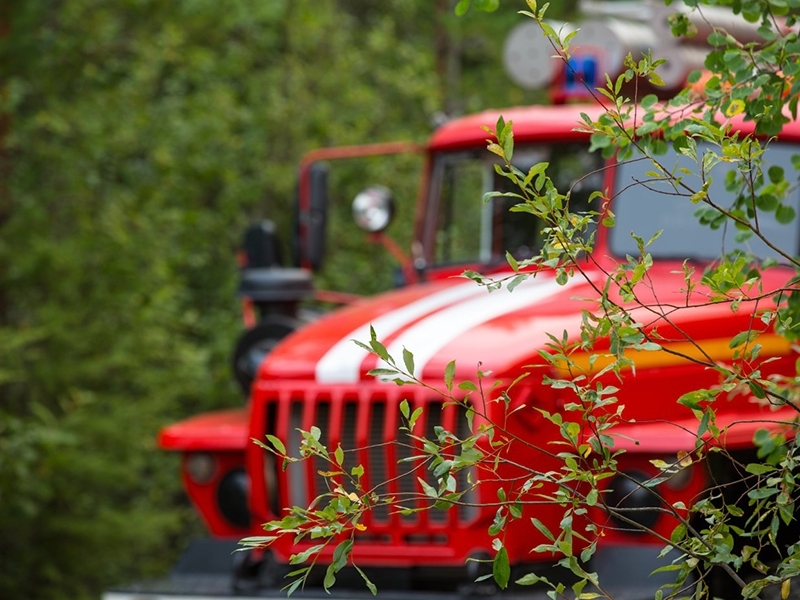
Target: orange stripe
{"points": [[716, 349]]}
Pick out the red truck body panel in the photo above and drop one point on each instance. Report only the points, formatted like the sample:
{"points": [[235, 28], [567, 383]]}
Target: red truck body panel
{"points": [[218, 430]]}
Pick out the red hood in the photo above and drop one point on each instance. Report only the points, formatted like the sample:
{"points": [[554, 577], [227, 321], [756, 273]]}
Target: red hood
{"points": [[437, 321], [455, 319]]}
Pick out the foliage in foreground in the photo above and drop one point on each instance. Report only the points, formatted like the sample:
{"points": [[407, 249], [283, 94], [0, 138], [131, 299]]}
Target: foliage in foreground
{"points": [[743, 538]]}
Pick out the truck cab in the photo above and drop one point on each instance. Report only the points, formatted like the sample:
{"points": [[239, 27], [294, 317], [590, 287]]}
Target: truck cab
{"points": [[310, 372]]}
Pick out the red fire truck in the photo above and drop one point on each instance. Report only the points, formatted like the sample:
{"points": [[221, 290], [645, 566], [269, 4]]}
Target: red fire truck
{"points": [[302, 373]]}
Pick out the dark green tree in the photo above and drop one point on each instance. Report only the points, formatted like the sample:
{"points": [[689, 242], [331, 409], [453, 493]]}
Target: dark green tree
{"points": [[142, 136]]}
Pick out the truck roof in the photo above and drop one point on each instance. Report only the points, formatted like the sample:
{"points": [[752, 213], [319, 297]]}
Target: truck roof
{"points": [[543, 123], [530, 122]]}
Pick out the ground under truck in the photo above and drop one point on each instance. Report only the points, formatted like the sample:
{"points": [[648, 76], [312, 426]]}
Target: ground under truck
{"points": [[302, 374]]}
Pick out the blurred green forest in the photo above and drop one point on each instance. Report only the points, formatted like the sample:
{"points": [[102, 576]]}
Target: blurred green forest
{"points": [[142, 136]]}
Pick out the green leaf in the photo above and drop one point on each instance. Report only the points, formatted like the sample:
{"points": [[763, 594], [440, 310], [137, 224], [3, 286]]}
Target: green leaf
{"points": [[338, 455], [369, 584], [277, 444], [515, 282], [303, 556], [501, 569], [757, 390], [784, 214], [462, 7], [543, 529], [342, 554], [529, 579], [498, 524], [648, 347], [378, 348], [678, 534], [414, 416], [690, 400], [429, 490], [487, 5], [649, 101], [408, 361], [742, 338], [508, 143], [330, 577], [449, 375], [761, 493], [382, 372], [294, 585], [759, 468]]}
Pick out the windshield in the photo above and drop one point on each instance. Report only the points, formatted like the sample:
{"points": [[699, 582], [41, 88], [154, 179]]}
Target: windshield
{"points": [[469, 230], [645, 208]]}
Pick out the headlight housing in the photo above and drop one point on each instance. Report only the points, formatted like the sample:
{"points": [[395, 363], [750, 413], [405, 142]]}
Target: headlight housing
{"points": [[633, 500], [373, 209], [232, 494], [201, 467]]}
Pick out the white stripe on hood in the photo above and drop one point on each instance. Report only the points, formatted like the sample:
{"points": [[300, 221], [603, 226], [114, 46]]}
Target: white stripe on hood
{"points": [[342, 362], [427, 337]]}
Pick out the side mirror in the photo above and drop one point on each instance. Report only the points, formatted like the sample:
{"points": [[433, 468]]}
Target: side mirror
{"points": [[373, 209], [316, 218]]}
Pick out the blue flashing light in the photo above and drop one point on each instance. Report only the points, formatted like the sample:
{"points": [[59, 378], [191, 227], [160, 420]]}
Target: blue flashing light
{"points": [[581, 69]]}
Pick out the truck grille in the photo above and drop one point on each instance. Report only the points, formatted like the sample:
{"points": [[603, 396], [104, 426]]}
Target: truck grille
{"points": [[366, 421]]}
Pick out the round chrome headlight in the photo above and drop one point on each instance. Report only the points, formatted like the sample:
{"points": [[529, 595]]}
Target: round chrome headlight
{"points": [[200, 467], [373, 209]]}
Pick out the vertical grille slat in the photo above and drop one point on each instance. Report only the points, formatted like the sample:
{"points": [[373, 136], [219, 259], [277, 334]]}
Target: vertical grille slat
{"points": [[449, 422], [433, 419], [349, 437], [297, 491], [376, 465], [388, 431], [407, 486], [468, 511], [322, 420]]}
